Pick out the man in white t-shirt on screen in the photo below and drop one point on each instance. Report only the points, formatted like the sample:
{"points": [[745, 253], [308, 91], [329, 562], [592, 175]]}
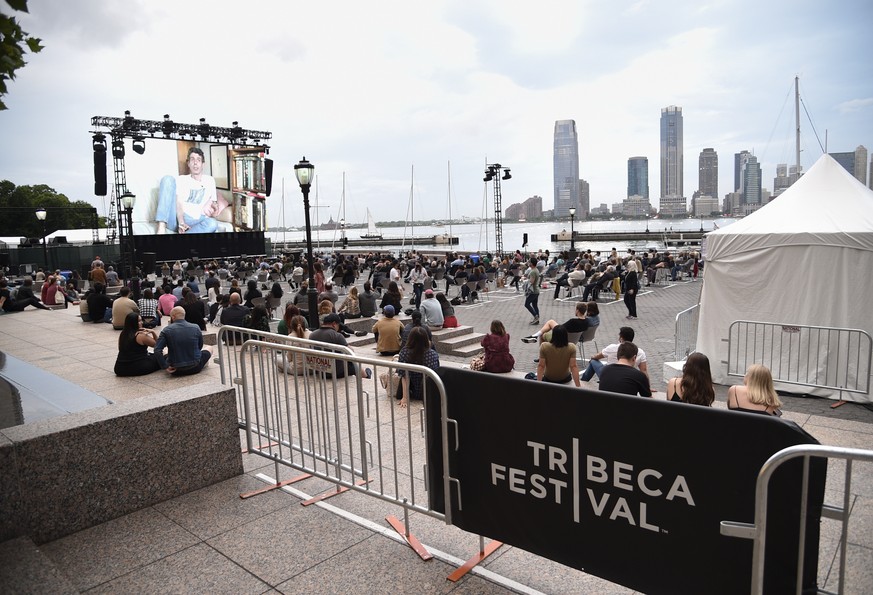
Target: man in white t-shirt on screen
{"points": [[610, 354], [189, 203]]}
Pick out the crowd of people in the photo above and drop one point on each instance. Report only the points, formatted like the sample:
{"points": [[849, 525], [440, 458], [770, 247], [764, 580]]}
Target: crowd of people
{"points": [[236, 293]]}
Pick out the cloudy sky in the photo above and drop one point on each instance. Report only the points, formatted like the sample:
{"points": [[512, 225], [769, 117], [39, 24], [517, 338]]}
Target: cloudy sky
{"points": [[374, 88]]}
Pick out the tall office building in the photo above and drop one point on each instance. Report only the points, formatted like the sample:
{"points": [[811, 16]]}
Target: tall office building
{"points": [[870, 186], [566, 167], [781, 181], [739, 160], [584, 200], [861, 164], [750, 177], [638, 177], [707, 181], [672, 170], [846, 159]]}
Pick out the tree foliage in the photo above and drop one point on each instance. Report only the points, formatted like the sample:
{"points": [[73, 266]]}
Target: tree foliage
{"points": [[18, 205], [14, 42]]}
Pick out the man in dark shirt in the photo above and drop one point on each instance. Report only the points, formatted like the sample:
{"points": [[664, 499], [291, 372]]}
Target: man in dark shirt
{"points": [[212, 282], [184, 344], [99, 304], [328, 332], [578, 324], [623, 377], [233, 316]]}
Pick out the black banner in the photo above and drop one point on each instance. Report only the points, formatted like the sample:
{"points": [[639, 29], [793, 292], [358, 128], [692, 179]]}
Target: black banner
{"points": [[629, 489]]}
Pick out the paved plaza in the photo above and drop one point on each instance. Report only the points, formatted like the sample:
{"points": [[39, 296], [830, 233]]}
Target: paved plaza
{"points": [[211, 541]]}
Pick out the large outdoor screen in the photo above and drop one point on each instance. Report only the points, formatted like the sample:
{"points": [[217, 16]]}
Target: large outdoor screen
{"points": [[191, 187]]}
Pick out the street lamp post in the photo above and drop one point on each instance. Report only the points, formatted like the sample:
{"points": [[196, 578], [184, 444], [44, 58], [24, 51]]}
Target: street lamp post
{"points": [[40, 214], [127, 201], [343, 239], [304, 172], [572, 234]]}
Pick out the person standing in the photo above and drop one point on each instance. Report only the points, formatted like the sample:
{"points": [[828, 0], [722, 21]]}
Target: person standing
{"points": [[532, 291], [184, 344], [631, 286]]}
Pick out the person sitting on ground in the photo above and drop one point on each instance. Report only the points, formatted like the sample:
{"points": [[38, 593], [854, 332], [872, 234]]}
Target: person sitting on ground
{"points": [[215, 308], [388, 332], [431, 310], [25, 291], [252, 292], [195, 309], [16, 305], [258, 319], [112, 279], [757, 393], [417, 351], [695, 384], [167, 301], [416, 320], [496, 343], [578, 324], [291, 310], [557, 361], [97, 275], [351, 306], [148, 309], [121, 307], [449, 318], [301, 298], [43, 297], [233, 315], [622, 377], [392, 297], [610, 353], [328, 293], [184, 344], [133, 357], [53, 287], [328, 332], [99, 304], [73, 293], [367, 300], [297, 327]]}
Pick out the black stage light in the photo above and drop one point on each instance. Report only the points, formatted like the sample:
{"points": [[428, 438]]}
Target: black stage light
{"points": [[118, 149], [99, 142], [139, 145], [168, 127], [506, 174]]}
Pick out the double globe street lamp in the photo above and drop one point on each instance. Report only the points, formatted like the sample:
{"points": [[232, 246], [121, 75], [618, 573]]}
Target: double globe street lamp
{"points": [[572, 235], [41, 214], [304, 172]]}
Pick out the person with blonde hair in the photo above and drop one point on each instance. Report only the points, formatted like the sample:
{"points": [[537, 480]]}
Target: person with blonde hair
{"points": [[756, 394], [631, 286]]}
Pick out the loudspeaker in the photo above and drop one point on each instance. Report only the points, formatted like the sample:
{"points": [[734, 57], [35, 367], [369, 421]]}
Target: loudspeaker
{"points": [[4, 259], [268, 175], [100, 173], [524, 241], [148, 262]]}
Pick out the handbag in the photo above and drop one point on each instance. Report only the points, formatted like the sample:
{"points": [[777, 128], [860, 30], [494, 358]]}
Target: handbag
{"points": [[477, 363]]}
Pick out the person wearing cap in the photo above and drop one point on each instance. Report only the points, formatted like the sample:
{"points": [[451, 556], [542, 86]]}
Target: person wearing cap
{"points": [[388, 331], [431, 311], [328, 332]]}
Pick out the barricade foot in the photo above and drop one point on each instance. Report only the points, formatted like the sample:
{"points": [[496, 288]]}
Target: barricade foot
{"points": [[839, 403], [327, 495], [268, 445], [412, 540], [275, 486], [474, 561]]}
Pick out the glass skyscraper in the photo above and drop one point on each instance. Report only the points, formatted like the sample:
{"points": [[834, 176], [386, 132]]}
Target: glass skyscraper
{"points": [[671, 152], [566, 167], [707, 182], [638, 177]]}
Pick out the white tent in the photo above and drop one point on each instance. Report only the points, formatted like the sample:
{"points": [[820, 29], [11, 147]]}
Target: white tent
{"points": [[806, 258]]}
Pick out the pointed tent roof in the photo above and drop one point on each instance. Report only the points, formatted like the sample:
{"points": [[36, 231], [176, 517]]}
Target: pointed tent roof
{"points": [[827, 205]]}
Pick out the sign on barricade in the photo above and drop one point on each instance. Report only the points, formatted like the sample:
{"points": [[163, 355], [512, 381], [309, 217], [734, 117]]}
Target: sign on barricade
{"points": [[626, 488]]}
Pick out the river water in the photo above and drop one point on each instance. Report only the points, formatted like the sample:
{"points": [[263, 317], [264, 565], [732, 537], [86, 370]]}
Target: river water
{"points": [[479, 237]]}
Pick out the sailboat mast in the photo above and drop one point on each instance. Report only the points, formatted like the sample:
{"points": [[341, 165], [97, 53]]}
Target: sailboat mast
{"points": [[412, 207], [797, 121], [450, 201], [284, 228]]}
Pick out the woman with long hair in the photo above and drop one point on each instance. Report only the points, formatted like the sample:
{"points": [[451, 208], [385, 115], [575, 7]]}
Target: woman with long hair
{"points": [[351, 306], [276, 291], [496, 344], [449, 318], [757, 393], [258, 319], [695, 384], [291, 310], [133, 357], [318, 276], [558, 359], [252, 292], [195, 310], [392, 297], [418, 350]]}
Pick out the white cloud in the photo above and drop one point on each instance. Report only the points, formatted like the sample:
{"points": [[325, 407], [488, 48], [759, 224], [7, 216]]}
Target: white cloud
{"points": [[855, 105]]}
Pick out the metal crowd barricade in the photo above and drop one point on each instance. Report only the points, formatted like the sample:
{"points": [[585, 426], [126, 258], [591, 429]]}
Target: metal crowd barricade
{"points": [[685, 334], [815, 356], [310, 417], [229, 342], [757, 531]]}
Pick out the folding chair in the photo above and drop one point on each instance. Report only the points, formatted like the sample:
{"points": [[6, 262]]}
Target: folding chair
{"points": [[588, 337]]}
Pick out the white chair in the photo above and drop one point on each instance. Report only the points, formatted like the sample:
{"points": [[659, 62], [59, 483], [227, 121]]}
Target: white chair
{"points": [[588, 337]]}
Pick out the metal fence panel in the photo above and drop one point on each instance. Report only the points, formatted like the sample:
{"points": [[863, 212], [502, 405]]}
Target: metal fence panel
{"points": [[685, 335]]}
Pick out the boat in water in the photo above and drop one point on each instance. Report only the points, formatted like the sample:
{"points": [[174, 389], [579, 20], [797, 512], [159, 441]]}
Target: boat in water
{"points": [[372, 231]]}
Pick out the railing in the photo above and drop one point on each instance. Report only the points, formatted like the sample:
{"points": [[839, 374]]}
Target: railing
{"points": [[685, 335], [757, 531], [822, 357]]}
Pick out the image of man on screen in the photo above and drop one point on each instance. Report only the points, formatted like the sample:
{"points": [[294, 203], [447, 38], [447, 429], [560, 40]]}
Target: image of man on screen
{"points": [[189, 203]]}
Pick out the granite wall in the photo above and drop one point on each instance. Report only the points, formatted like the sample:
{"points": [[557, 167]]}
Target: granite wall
{"points": [[66, 474]]}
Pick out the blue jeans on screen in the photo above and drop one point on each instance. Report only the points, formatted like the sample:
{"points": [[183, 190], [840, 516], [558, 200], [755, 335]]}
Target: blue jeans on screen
{"points": [[166, 211], [594, 367]]}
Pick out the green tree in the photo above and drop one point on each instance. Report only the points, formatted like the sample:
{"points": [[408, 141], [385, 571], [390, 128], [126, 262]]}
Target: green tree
{"points": [[18, 205], [14, 42]]}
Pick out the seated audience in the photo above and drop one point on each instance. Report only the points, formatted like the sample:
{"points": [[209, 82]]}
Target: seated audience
{"points": [[449, 318], [610, 353], [695, 384], [417, 351], [388, 332], [328, 332], [367, 300], [148, 309], [184, 344], [293, 363], [622, 377], [351, 306], [415, 321], [757, 393], [578, 324], [133, 357], [16, 305], [195, 309], [431, 310], [291, 311], [557, 362], [496, 343]]}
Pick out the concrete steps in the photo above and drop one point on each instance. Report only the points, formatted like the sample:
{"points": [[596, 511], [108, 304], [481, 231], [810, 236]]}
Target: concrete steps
{"points": [[461, 342]]}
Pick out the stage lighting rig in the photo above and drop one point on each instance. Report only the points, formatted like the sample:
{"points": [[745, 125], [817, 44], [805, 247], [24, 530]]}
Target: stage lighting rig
{"points": [[130, 127]]}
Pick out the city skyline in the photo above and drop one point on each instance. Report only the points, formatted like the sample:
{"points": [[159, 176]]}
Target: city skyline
{"points": [[391, 85]]}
